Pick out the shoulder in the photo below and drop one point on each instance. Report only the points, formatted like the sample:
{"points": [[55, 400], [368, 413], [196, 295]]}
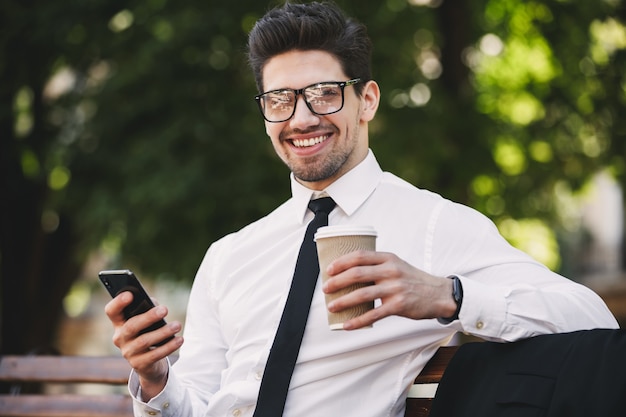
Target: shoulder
{"points": [[271, 224], [439, 212], [396, 189]]}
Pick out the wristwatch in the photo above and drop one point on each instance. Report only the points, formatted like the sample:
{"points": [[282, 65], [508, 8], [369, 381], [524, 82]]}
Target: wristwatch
{"points": [[457, 294]]}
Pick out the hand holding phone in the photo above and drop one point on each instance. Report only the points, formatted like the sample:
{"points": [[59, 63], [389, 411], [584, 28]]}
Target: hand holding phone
{"points": [[118, 281]]}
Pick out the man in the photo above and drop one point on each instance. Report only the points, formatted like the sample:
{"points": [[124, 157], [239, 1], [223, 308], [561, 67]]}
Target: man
{"points": [[312, 66]]}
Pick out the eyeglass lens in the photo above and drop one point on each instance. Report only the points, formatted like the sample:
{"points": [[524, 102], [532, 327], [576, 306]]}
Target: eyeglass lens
{"points": [[324, 98]]}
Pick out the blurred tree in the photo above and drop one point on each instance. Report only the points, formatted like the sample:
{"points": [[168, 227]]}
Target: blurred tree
{"points": [[130, 128]]}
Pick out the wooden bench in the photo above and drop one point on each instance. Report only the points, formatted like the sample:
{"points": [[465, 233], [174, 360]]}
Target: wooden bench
{"points": [[21, 372], [422, 392]]}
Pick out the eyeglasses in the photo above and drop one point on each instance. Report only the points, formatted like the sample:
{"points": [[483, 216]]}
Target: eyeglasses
{"points": [[321, 98]]}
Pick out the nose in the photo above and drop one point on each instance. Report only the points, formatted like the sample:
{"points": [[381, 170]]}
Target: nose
{"points": [[303, 117]]}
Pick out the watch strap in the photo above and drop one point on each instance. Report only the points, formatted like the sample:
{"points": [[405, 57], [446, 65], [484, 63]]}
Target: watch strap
{"points": [[457, 295]]}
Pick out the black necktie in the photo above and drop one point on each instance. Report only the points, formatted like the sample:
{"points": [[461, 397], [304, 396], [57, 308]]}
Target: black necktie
{"points": [[284, 352]]}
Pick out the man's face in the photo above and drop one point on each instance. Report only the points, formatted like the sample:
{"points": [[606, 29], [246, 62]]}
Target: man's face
{"points": [[319, 149]]}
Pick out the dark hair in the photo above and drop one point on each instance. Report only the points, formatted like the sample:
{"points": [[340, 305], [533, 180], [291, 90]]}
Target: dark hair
{"points": [[313, 26]]}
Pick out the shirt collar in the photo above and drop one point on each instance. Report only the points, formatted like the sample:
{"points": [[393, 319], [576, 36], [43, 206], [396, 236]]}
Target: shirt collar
{"points": [[349, 191]]}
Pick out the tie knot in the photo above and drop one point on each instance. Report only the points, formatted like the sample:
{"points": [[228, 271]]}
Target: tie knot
{"points": [[324, 205]]}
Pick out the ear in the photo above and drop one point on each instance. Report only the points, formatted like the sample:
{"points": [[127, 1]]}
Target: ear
{"points": [[370, 98]]}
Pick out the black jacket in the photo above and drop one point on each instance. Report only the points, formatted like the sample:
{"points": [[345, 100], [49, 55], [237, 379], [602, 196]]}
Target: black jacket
{"points": [[578, 374]]}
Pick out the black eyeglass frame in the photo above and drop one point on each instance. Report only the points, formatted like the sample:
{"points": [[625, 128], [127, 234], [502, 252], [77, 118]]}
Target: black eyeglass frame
{"points": [[341, 84]]}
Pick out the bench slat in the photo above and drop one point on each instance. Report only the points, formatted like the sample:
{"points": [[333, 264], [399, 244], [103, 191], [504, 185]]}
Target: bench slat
{"points": [[66, 405], [64, 369], [433, 371], [115, 370], [418, 407], [420, 396]]}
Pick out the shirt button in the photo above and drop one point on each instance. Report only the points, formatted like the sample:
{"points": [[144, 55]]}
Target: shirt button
{"points": [[258, 375], [236, 413], [166, 405], [480, 325], [152, 413]]}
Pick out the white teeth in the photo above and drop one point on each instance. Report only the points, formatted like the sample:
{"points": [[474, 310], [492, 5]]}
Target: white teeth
{"points": [[301, 143]]}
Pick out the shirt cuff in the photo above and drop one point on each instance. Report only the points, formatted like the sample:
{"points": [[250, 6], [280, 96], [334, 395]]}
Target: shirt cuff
{"points": [[161, 404], [483, 311]]}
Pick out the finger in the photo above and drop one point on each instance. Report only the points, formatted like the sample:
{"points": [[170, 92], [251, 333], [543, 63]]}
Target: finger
{"points": [[162, 341], [138, 323], [368, 318], [352, 259], [358, 274], [134, 341], [146, 360], [130, 329], [114, 309], [354, 298]]}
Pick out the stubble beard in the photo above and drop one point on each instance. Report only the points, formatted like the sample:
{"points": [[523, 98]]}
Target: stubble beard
{"points": [[319, 168]]}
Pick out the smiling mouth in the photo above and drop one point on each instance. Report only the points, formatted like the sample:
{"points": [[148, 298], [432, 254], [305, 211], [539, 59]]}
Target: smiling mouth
{"points": [[304, 143]]}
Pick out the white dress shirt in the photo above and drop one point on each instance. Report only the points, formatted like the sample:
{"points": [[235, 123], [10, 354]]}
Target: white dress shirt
{"points": [[242, 284]]}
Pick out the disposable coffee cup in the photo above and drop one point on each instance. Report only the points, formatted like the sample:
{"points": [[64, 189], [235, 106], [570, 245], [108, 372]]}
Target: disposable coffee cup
{"points": [[333, 242]]}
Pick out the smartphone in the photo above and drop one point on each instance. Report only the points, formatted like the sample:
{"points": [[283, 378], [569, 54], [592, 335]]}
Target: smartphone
{"points": [[119, 281]]}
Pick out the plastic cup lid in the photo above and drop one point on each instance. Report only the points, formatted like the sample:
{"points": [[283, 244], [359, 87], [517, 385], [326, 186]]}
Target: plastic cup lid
{"points": [[345, 230]]}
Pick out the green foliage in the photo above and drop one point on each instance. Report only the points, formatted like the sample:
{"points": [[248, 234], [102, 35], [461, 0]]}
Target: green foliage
{"points": [[151, 143], [173, 154]]}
